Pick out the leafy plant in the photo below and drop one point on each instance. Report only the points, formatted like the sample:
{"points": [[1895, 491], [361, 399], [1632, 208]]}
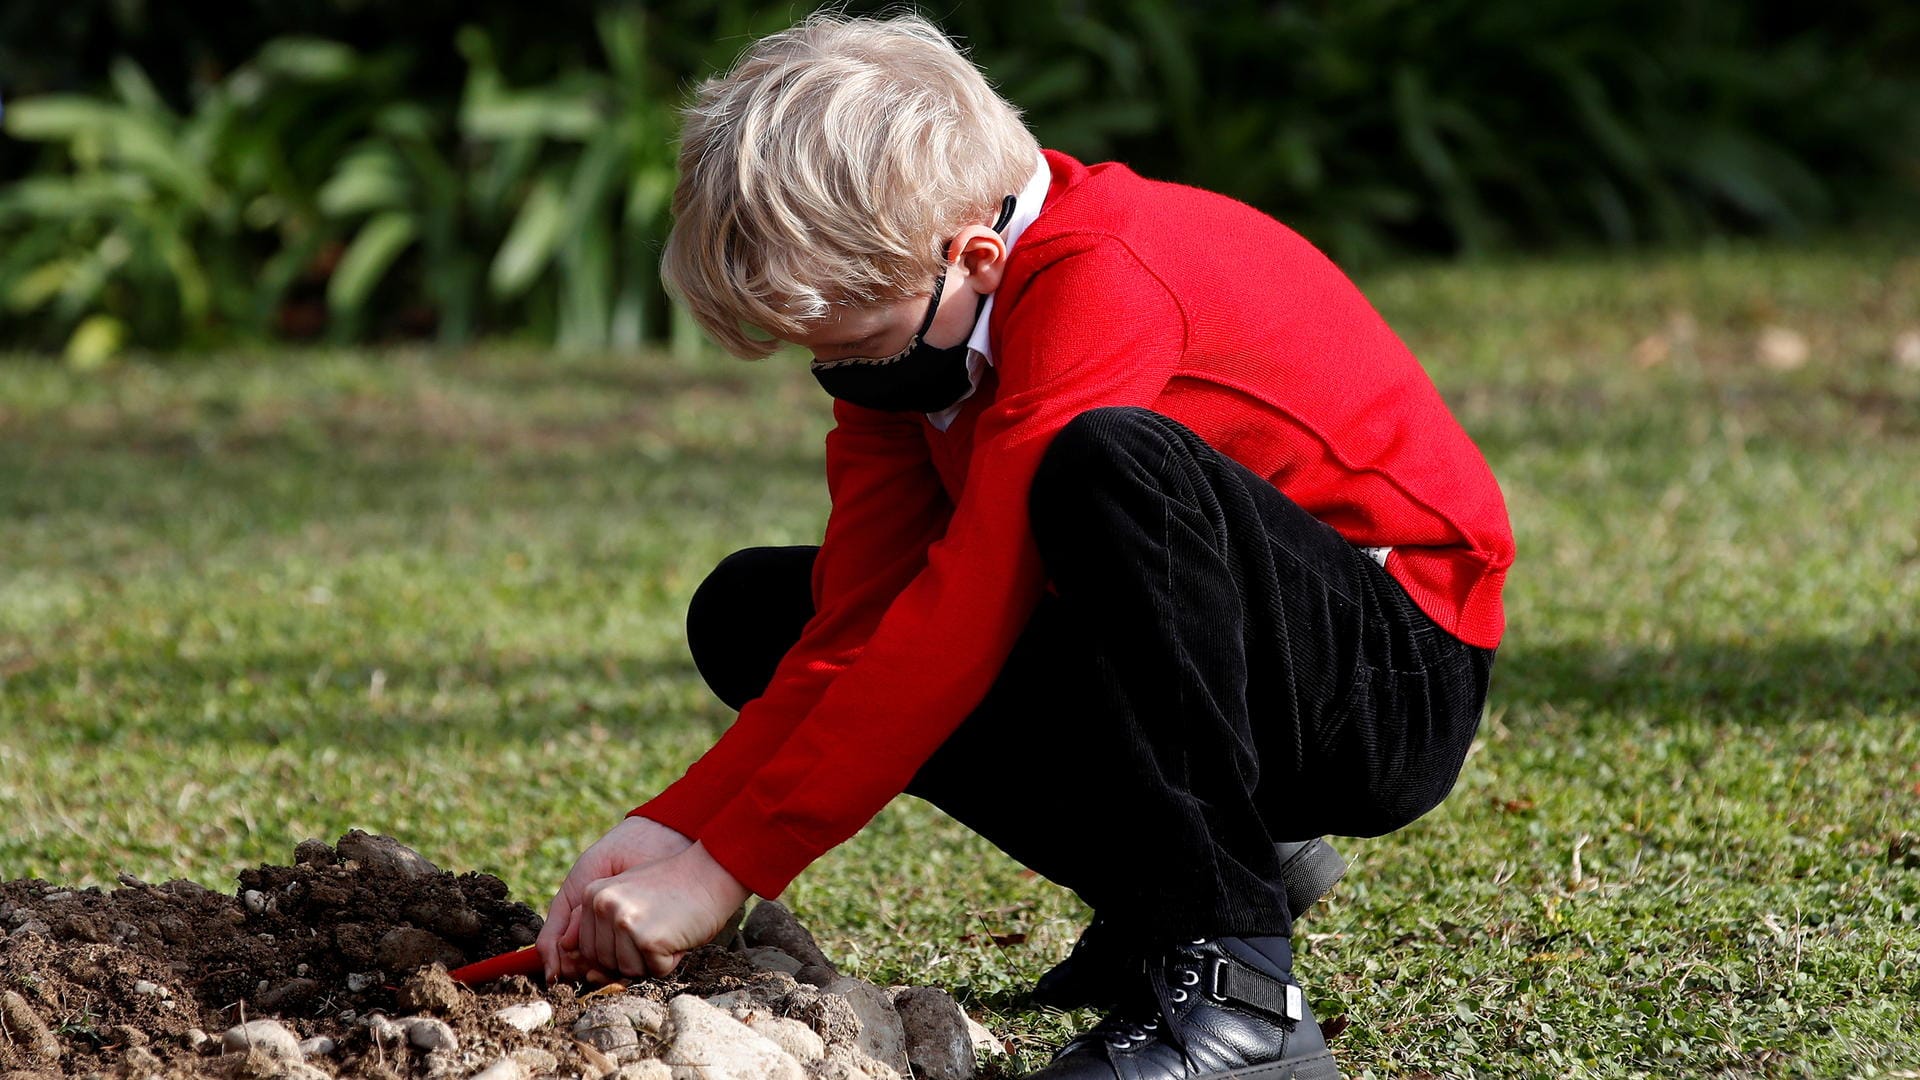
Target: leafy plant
{"points": [[565, 185], [162, 226], [364, 181]]}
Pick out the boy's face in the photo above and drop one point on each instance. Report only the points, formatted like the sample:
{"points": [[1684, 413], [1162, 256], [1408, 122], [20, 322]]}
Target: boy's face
{"points": [[976, 264]]}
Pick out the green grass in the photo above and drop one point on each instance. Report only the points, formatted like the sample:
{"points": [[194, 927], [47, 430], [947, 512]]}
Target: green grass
{"points": [[260, 597]]}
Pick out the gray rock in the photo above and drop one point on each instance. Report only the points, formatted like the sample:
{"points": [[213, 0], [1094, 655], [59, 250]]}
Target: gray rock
{"points": [[268, 1036], [771, 925], [710, 1045], [816, 974], [790, 1035], [881, 1034], [768, 958], [647, 1015], [527, 1017], [384, 854], [318, 1046], [938, 1046], [609, 1031], [359, 981]]}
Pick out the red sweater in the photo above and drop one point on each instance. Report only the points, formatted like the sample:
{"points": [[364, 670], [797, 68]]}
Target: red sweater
{"points": [[1125, 291]]}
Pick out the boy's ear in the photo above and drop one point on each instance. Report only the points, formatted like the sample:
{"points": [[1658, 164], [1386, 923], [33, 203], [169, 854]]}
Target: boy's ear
{"points": [[982, 253]]}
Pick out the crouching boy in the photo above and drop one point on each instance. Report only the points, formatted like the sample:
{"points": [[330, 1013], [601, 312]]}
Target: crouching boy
{"points": [[1153, 555]]}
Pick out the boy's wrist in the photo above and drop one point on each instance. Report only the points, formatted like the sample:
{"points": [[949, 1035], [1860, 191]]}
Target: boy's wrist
{"points": [[717, 879]]}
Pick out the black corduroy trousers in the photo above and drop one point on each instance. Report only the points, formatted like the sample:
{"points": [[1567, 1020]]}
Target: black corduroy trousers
{"points": [[1215, 670]]}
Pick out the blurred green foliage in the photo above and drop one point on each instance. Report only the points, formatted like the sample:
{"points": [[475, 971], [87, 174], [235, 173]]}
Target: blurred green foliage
{"points": [[350, 170]]}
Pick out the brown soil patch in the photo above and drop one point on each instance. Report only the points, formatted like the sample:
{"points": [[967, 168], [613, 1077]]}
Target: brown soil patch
{"points": [[143, 980]]}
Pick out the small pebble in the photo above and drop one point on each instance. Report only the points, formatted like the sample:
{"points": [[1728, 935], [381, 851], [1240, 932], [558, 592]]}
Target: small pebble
{"points": [[318, 1046], [195, 1039], [255, 900], [359, 981], [268, 1036], [152, 989], [429, 1034], [527, 1017]]}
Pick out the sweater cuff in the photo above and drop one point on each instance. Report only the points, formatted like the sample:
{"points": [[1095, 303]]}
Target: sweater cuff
{"points": [[758, 851], [677, 808]]}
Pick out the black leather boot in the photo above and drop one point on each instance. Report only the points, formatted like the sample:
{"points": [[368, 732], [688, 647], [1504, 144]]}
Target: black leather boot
{"points": [[1202, 1010], [1099, 959]]}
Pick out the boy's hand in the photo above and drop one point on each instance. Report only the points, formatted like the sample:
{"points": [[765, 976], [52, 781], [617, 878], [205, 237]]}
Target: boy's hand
{"points": [[633, 843], [643, 921]]}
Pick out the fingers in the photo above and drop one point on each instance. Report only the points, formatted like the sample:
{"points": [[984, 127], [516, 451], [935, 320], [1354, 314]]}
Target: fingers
{"points": [[593, 932], [560, 914], [666, 963], [633, 960]]}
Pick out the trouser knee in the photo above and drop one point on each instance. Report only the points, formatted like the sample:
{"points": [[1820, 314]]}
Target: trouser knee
{"points": [[1096, 456], [744, 617]]}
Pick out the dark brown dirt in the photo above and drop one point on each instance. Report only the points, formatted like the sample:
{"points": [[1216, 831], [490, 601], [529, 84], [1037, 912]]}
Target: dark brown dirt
{"points": [[129, 981]]}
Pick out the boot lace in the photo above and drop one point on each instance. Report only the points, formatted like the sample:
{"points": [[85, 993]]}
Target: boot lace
{"points": [[1174, 978]]}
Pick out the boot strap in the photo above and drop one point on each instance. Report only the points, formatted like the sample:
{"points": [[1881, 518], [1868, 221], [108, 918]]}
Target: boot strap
{"points": [[1228, 980]]}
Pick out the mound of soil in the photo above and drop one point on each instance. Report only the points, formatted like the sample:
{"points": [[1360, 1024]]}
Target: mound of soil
{"points": [[344, 952]]}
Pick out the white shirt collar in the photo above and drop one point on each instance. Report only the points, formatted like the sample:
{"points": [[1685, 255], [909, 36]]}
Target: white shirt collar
{"points": [[1026, 207]]}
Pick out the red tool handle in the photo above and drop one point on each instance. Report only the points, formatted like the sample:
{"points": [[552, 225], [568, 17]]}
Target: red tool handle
{"points": [[519, 962]]}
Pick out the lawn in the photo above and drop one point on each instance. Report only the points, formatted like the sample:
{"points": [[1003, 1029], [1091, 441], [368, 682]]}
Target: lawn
{"points": [[262, 596]]}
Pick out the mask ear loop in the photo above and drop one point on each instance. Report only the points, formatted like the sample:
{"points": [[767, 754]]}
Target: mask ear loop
{"points": [[1007, 205], [1006, 214]]}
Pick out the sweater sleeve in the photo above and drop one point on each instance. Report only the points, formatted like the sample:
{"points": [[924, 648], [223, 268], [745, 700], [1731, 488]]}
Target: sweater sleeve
{"points": [[943, 640], [887, 507]]}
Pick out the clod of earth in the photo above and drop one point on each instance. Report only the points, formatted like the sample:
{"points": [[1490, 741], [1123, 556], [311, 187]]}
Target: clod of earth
{"points": [[336, 966]]}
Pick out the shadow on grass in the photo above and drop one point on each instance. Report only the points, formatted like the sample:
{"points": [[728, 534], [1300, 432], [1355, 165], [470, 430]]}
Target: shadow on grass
{"points": [[309, 698], [1759, 682]]}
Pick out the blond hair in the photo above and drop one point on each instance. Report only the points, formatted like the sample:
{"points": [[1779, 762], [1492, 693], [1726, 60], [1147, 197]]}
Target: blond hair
{"points": [[828, 168]]}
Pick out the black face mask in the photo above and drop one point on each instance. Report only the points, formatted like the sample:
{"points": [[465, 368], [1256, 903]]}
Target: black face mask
{"points": [[918, 378]]}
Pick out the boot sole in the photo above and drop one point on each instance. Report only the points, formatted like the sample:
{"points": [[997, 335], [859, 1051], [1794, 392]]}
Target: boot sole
{"points": [[1317, 1067], [1311, 874]]}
